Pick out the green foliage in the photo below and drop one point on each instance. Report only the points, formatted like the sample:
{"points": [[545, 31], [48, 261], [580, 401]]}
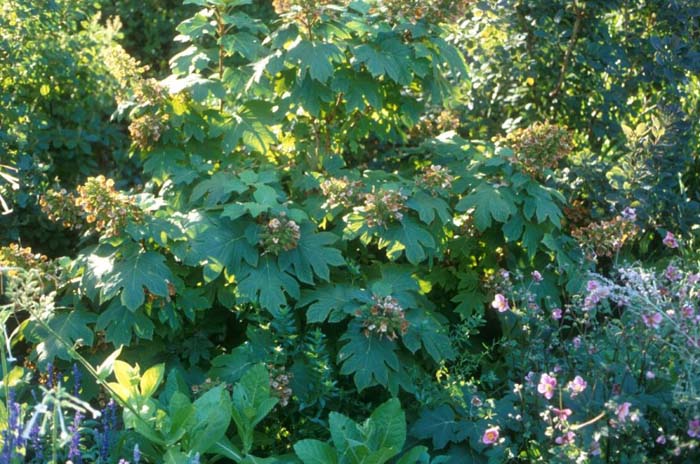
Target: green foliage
{"points": [[336, 213]]}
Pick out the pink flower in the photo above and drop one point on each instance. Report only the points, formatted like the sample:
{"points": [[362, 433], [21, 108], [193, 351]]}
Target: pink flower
{"points": [[490, 436], [670, 240], [661, 439], [694, 428], [536, 276], [556, 314], [576, 386], [568, 437], [687, 310], [500, 303], [653, 321], [623, 411], [650, 375], [672, 273], [547, 385], [592, 285], [562, 414], [577, 342]]}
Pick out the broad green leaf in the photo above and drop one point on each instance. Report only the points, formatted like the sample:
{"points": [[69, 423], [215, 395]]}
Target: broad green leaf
{"points": [[410, 238], [441, 426], [312, 255], [138, 270], [387, 427], [212, 418], [71, 328], [120, 324], [414, 455], [268, 284], [317, 57], [105, 369], [315, 452], [425, 330], [427, 206], [331, 298], [151, 379], [370, 359], [220, 244], [489, 202], [218, 188], [347, 438], [251, 125]]}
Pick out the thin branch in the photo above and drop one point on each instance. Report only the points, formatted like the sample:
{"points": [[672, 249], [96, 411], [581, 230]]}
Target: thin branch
{"points": [[579, 12]]}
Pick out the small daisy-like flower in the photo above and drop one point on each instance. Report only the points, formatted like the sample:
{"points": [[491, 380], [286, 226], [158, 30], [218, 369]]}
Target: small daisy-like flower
{"points": [[491, 436], [500, 303], [670, 240], [568, 437], [652, 321], [547, 385], [623, 411], [576, 386]]}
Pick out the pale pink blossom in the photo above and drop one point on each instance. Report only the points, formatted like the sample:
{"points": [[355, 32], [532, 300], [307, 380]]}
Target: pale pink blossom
{"points": [[623, 411], [576, 386], [500, 303], [547, 385], [653, 321], [556, 314], [536, 276], [491, 436], [568, 437], [670, 240]]}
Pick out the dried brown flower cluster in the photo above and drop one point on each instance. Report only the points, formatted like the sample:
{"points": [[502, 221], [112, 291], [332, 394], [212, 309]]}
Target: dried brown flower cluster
{"points": [[539, 147], [280, 234], [303, 12], [436, 178], [145, 130], [97, 203], [340, 192], [432, 124], [59, 206], [14, 255], [381, 208], [605, 238], [434, 10], [279, 383], [385, 317]]}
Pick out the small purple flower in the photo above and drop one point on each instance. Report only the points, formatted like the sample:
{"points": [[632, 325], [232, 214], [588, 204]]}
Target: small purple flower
{"points": [[694, 428], [500, 303], [74, 453], [77, 378], [670, 240], [565, 439], [652, 321], [577, 342], [629, 214], [137, 454], [650, 375], [547, 385], [576, 386], [661, 439], [536, 276], [672, 273], [556, 314]]}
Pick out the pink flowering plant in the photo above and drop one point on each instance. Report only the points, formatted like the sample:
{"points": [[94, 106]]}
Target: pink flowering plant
{"points": [[608, 375]]}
